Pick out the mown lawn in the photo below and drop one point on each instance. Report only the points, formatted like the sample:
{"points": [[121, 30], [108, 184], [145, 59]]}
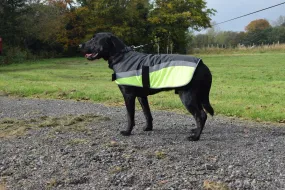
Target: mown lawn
{"points": [[249, 86]]}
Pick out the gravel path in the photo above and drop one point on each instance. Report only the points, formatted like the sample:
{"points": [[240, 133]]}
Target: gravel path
{"points": [[232, 154]]}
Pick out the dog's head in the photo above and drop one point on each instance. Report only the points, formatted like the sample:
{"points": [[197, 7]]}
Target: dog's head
{"points": [[102, 45]]}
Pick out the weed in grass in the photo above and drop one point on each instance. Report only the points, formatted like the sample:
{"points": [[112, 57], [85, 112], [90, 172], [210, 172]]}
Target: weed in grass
{"points": [[3, 93], [3, 182], [52, 183], [212, 185], [16, 127], [74, 120], [116, 169], [76, 123], [12, 127], [77, 141], [113, 144], [65, 129], [7, 121], [49, 122], [160, 155], [3, 187], [163, 182]]}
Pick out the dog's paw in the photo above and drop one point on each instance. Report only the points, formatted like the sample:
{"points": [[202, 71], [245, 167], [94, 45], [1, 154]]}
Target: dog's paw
{"points": [[193, 138], [147, 128], [125, 133], [194, 131]]}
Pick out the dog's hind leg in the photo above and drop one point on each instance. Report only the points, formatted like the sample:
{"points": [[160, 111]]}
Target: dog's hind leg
{"points": [[130, 105], [146, 110], [193, 105], [203, 121]]}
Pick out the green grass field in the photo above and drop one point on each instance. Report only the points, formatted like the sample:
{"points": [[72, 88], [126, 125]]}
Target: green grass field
{"points": [[249, 86]]}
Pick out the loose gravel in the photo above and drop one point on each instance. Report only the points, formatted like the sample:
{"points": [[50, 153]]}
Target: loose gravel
{"points": [[231, 154]]}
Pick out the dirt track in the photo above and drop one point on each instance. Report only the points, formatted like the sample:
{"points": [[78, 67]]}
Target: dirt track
{"points": [[77, 145]]}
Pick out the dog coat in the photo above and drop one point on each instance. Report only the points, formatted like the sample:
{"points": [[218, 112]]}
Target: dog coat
{"points": [[155, 71]]}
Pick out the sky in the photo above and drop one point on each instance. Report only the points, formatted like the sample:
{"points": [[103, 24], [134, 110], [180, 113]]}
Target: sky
{"points": [[228, 9]]}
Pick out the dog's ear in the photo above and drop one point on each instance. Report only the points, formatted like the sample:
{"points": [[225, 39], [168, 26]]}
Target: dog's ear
{"points": [[106, 43], [117, 43]]}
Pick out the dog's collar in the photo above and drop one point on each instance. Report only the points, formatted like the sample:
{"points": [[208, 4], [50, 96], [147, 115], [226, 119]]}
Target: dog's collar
{"points": [[119, 56], [127, 49]]}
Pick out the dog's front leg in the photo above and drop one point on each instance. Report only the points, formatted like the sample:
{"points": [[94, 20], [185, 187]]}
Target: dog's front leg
{"points": [[146, 110], [130, 105]]}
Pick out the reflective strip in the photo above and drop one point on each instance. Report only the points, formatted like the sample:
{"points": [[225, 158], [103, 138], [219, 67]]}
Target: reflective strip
{"points": [[156, 68], [173, 76], [130, 81]]}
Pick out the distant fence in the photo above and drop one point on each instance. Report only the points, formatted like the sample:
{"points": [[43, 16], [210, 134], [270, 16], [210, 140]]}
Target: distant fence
{"points": [[239, 47], [262, 46]]}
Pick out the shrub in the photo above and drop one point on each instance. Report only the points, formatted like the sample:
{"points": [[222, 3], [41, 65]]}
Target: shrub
{"points": [[14, 55]]}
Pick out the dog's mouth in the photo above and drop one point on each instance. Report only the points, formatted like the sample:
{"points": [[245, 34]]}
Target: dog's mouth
{"points": [[91, 56]]}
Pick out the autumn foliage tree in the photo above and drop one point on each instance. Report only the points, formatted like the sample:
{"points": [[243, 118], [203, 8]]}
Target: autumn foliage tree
{"points": [[71, 23], [38, 26], [259, 24]]}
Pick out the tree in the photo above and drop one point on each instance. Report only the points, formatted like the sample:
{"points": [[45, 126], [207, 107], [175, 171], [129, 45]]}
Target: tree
{"points": [[280, 21], [126, 19], [213, 33], [170, 21], [53, 26], [259, 24], [73, 31], [41, 25], [227, 38], [60, 25], [200, 41], [277, 34], [258, 37], [240, 37], [10, 19]]}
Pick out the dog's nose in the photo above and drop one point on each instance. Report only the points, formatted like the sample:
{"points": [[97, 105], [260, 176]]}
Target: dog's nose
{"points": [[81, 46]]}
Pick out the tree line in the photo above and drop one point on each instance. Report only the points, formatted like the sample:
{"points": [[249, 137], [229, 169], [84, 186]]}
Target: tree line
{"points": [[56, 27], [49, 28], [257, 32]]}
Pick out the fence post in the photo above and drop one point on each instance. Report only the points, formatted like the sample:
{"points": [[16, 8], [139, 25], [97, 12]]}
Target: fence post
{"points": [[0, 46]]}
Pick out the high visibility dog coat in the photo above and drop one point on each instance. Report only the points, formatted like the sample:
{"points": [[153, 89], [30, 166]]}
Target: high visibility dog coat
{"points": [[155, 71]]}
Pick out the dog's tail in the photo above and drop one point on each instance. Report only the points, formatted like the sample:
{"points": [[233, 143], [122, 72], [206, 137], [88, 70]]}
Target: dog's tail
{"points": [[207, 106], [205, 101]]}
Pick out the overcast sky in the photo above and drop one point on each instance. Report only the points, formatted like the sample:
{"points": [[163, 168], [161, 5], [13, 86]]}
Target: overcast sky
{"points": [[228, 9]]}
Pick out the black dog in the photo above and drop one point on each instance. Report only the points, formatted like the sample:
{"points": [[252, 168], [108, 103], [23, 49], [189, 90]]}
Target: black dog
{"points": [[128, 63]]}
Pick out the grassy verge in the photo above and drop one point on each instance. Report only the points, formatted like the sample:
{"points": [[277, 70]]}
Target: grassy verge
{"points": [[250, 86]]}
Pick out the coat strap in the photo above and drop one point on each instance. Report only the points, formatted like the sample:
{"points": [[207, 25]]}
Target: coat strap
{"points": [[145, 77], [114, 76]]}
